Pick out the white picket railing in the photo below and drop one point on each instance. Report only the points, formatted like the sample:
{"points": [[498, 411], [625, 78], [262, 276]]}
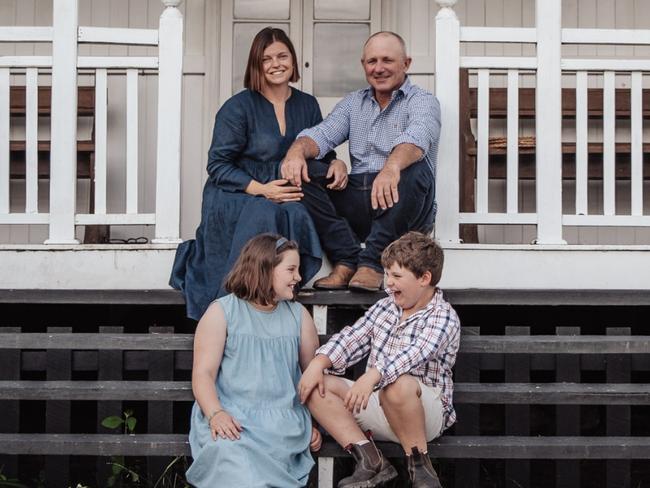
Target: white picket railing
{"points": [[65, 36], [550, 69]]}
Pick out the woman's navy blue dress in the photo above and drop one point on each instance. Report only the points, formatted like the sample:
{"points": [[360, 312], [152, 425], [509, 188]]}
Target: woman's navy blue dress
{"points": [[246, 144]]}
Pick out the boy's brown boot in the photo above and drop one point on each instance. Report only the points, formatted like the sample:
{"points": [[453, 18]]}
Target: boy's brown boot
{"points": [[421, 471], [372, 467]]}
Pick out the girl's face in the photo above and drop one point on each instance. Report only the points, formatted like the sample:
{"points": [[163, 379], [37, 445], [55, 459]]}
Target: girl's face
{"points": [[286, 276], [277, 64]]}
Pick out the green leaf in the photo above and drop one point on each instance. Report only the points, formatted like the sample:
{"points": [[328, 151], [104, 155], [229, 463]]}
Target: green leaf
{"points": [[130, 424], [128, 413], [116, 469], [112, 422], [110, 481]]}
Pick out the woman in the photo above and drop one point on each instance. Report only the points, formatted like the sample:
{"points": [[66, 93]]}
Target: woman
{"points": [[244, 196], [248, 427]]}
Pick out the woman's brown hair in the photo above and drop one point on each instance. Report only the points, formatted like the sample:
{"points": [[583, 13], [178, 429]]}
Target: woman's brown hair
{"points": [[254, 76], [251, 278]]}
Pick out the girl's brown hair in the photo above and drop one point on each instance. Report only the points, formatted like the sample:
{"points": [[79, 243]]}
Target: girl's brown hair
{"points": [[251, 278], [254, 76]]}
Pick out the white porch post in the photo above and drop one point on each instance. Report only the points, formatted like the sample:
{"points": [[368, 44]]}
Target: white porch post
{"points": [[168, 165], [63, 155], [548, 121], [447, 91]]}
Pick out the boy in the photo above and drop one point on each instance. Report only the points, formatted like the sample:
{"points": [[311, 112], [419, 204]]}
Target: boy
{"points": [[405, 395]]}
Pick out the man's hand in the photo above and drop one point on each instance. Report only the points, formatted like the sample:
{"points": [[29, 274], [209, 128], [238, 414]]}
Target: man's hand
{"points": [[357, 396], [339, 171], [316, 440], [384, 189], [278, 192], [294, 169], [312, 378]]}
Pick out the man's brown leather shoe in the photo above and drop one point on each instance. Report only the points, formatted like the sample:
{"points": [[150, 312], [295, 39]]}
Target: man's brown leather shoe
{"points": [[367, 279], [338, 279]]}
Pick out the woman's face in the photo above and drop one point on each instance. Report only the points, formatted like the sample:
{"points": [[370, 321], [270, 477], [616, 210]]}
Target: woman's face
{"points": [[277, 64], [286, 276]]}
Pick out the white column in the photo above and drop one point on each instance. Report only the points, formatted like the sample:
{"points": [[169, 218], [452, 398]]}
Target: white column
{"points": [[63, 155], [446, 79], [168, 165], [548, 107]]}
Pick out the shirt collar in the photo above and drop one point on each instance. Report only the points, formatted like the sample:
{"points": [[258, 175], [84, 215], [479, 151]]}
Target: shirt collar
{"points": [[403, 88], [433, 303]]}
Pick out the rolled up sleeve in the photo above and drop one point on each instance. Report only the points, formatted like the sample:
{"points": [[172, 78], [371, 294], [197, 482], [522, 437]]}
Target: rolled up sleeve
{"points": [[332, 131], [423, 129]]}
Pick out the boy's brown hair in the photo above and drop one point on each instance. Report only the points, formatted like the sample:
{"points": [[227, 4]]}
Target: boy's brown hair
{"points": [[254, 75], [416, 252], [251, 278]]}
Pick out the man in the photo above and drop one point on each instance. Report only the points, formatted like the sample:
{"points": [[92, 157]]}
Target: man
{"points": [[393, 128]]}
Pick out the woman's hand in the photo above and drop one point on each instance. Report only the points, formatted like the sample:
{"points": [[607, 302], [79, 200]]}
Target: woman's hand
{"points": [[316, 439], [278, 191], [339, 171], [224, 425], [357, 396]]}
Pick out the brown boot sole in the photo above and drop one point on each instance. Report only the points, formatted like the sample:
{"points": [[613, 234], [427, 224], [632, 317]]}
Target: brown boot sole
{"points": [[360, 287], [330, 287], [380, 478]]}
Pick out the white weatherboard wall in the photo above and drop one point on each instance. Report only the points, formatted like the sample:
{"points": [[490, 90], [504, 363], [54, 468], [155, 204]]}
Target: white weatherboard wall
{"points": [[414, 19]]}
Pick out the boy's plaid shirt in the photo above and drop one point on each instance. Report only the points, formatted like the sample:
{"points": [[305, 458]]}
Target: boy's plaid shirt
{"points": [[424, 345]]}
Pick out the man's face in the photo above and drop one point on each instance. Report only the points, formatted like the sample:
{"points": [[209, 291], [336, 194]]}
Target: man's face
{"points": [[385, 64]]}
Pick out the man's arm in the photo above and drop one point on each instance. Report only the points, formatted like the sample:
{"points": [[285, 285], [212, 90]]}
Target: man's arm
{"points": [[294, 165], [421, 134]]}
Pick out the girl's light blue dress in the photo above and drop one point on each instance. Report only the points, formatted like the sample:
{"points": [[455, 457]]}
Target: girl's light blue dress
{"points": [[256, 384]]}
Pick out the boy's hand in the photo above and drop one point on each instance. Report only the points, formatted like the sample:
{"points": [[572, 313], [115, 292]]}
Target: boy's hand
{"points": [[357, 396], [311, 378], [316, 440]]}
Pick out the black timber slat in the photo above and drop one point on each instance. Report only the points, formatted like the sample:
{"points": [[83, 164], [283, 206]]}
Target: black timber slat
{"points": [[535, 344], [464, 393], [58, 412], [342, 297], [471, 447], [567, 417], [467, 471], [10, 408], [160, 414], [517, 417], [618, 416], [520, 447], [110, 365]]}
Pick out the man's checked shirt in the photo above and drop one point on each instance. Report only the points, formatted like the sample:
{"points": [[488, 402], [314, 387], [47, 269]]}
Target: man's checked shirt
{"points": [[424, 346], [412, 116]]}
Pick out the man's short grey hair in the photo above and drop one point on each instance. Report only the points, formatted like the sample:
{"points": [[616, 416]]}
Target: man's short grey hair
{"points": [[388, 34]]}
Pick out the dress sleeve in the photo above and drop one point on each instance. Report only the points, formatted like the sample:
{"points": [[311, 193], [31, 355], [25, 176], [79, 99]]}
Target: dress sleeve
{"points": [[229, 138]]}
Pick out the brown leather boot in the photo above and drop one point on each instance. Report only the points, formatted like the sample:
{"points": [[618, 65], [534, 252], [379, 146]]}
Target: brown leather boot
{"points": [[367, 279], [421, 471], [338, 279], [372, 467]]}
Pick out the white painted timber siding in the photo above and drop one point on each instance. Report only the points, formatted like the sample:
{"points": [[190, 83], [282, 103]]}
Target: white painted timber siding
{"points": [[414, 19]]}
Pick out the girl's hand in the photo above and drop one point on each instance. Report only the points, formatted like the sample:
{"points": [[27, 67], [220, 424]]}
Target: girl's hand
{"points": [[225, 426], [278, 192], [316, 440], [357, 396], [311, 378]]}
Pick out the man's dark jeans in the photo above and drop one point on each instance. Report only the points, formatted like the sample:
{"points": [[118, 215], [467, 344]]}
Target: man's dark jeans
{"points": [[345, 218]]}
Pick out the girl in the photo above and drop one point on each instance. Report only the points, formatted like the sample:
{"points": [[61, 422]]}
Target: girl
{"points": [[248, 428]]}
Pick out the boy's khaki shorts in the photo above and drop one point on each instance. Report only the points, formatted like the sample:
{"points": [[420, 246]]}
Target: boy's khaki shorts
{"points": [[373, 418]]}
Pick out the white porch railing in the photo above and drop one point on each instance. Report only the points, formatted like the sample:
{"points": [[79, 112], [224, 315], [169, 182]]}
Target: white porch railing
{"points": [[551, 72], [65, 36]]}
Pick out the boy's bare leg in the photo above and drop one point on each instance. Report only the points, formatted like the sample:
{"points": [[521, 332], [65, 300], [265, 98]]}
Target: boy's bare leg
{"points": [[330, 412], [403, 409]]}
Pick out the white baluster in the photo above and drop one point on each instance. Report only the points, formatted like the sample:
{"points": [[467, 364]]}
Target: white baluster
{"points": [[101, 128], [482, 157], [636, 141], [31, 140], [447, 91], [582, 129], [63, 167], [132, 141], [512, 176], [4, 140], [609, 141], [168, 165], [548, 122]]}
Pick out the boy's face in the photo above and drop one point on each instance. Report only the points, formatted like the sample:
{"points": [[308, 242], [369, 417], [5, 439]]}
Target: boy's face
{"points": [[409, 292]]}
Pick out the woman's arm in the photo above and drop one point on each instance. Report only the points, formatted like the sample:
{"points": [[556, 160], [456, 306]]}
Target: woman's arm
{"points": [[209, 344]]}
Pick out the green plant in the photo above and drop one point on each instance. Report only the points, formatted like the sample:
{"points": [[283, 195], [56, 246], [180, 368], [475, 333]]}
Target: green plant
{"points": [[127, 420]]}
